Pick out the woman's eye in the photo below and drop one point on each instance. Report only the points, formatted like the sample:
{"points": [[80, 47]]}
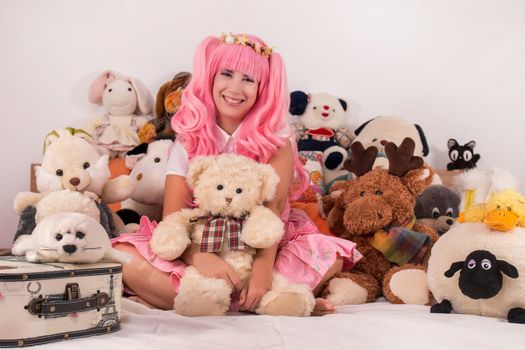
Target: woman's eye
{"points": [[220, 187], [226, 73], [249, 80]]}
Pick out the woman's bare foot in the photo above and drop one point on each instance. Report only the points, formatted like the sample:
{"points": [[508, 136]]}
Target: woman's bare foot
{"points": [[139, 300], [323, 307]]}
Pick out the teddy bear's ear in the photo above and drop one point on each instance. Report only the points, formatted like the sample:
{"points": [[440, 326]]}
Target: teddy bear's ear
{"points": [[197, 166], [144, 99], [99, 85], [270, 179], [298, 102], [50, 138]]}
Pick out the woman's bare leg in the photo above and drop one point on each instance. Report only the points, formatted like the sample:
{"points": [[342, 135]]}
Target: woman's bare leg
{"points": [[150, 284], [324, 306]]}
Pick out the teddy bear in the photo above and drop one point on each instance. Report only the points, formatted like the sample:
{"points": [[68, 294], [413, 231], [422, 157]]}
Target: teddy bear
{"points": [[72, 161], [323, 124], [168, 102], [67, 229], [149, 175], [438, 208], [126, 101], [477, 267], [376, 211], [231, 221]]}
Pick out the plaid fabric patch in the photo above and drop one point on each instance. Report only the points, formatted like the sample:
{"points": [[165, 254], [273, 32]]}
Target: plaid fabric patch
{"points": [[219, 228], [344, 137], [401, 245]]}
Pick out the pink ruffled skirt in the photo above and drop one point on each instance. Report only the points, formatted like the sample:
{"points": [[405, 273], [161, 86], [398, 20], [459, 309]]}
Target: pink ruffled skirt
{"points": [[304, 255]]}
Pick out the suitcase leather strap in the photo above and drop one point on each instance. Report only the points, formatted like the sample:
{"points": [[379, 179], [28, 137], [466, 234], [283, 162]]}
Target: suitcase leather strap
{"points": [[59, 305]]}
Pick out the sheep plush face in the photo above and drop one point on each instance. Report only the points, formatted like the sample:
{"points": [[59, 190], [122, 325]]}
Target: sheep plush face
{"points": [[66, 237], [71, 162], [231, 185]]}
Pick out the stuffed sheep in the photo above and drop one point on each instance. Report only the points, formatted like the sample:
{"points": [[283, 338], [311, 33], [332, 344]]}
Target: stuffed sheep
{"points": [[231, 221], [477, 267], [126, 101]]}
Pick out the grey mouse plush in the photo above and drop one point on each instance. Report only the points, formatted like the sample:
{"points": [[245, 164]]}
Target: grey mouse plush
{"points": [[437, 207]]}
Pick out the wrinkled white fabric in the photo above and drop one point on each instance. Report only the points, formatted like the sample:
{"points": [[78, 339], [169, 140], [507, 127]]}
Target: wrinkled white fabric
{"points": [[379, 325]]}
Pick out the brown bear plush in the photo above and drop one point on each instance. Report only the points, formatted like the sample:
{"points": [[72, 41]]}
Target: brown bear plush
{"points": [[376, 211], [167, 104]]}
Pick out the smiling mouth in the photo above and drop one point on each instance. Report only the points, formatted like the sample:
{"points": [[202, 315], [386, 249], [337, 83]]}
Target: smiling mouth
{"points": [[232, 101]]}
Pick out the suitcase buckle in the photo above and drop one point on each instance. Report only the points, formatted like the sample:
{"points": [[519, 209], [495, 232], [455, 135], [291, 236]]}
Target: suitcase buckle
{"points": [[72, 291]]}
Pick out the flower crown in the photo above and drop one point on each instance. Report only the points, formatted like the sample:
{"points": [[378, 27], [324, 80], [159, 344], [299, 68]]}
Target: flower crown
{"points": [[244, 41]]}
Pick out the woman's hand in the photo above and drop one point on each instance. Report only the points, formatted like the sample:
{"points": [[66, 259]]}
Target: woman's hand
{"points": [[211, 265], [260, 281]]}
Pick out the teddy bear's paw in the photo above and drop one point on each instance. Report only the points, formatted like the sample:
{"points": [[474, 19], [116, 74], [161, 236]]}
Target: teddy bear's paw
{"points": [[407, 285], [344, 291], [169, 241], [287, 299], [262, 228], [202, 296]]}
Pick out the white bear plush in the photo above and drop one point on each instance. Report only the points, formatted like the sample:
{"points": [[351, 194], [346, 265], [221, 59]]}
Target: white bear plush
{"points": [[71, 238], [149, 175], [231, 221]]}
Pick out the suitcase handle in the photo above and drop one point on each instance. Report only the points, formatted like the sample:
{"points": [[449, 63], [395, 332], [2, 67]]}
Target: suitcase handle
{"points": [[59, 305]]}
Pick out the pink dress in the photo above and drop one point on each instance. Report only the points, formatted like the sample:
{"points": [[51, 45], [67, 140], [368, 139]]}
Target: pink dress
{"points": [[304, 254]]}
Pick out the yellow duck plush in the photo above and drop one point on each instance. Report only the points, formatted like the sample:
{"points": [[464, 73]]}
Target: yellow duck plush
{"points": [[503, 211]]}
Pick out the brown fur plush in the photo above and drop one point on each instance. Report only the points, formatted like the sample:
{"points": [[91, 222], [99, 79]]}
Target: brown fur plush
{"points": [[167, 104], [378, 199]]}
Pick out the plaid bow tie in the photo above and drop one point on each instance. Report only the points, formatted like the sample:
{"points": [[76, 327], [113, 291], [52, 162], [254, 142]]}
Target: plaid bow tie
{"points": [[216, 229]]}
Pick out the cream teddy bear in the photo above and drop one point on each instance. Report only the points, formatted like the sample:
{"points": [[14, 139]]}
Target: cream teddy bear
{"points": [[231, 221]]}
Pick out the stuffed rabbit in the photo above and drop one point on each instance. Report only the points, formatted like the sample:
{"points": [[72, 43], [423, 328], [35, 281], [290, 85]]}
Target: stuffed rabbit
{"points": [[126, 101]]}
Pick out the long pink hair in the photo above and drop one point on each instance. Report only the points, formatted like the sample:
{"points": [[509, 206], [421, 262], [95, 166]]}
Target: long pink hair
{"points": [[195, 121]]}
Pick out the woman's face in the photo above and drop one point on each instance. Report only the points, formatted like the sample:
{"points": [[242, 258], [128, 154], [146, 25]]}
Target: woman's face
{"points": [[234, 94]]}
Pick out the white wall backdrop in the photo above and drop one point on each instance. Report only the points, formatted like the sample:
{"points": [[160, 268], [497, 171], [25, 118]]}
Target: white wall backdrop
{"points": [[456, 67]]}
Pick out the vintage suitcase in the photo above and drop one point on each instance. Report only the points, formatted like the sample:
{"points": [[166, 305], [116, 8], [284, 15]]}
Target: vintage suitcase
{"points": [[41, 303]]}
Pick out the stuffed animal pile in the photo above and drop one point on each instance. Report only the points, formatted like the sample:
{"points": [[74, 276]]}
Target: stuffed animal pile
{"points": [[231, 221]]}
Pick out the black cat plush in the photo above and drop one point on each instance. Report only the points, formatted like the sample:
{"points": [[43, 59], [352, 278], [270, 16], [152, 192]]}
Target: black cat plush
{"points": [[462, 157]]}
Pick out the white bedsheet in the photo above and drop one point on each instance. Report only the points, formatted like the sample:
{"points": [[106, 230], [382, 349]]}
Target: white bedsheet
{"points": [[378, 325]]}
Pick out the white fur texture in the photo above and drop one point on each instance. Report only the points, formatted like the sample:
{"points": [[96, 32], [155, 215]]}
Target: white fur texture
{"points": [[71, 238], [455, 245], [485, 182], [335, 116], [66, 201], [344, 291]]}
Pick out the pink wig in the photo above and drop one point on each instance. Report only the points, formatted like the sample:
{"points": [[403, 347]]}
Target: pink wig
{"points": [[194, 122]]}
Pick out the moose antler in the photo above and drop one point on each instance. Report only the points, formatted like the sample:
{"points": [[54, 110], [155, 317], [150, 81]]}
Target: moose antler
{"points": [[401, 159], [362, 160]]}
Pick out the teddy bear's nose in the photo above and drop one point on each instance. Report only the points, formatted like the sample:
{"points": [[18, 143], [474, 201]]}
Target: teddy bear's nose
{"points": [[228, 200], [74, 181], [70, 248], [383, 142], [326, 108], [139, 176]]}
